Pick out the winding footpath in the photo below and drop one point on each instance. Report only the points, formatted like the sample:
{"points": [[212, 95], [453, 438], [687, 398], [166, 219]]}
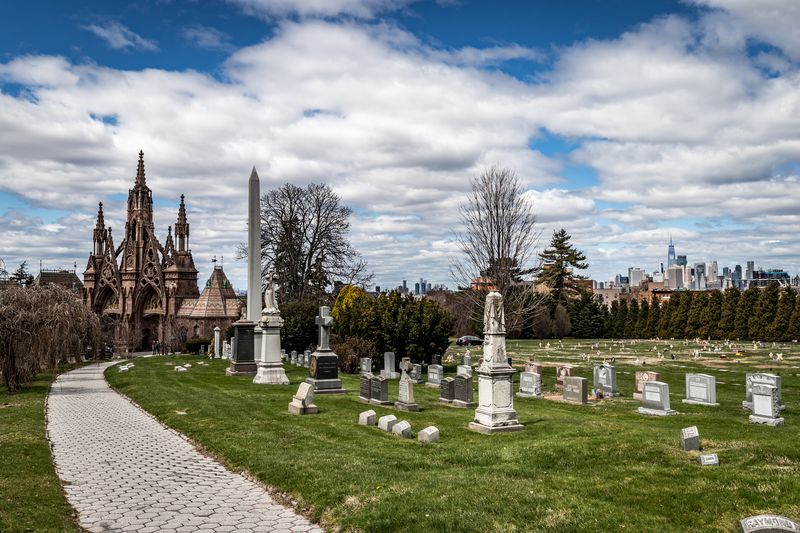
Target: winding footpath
{"points": [[124, 471]]}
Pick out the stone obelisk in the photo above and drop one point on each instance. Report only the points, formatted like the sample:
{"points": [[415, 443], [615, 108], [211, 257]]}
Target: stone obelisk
{"points": [[270, 368], [254, 259], [495, 412]]}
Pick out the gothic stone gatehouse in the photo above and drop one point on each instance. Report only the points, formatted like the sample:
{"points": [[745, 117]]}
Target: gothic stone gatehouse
{"points": [[146, 292]]}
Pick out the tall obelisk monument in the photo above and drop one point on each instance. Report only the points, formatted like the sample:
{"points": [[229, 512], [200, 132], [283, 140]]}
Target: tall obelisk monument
{"points": [[254, 258]]}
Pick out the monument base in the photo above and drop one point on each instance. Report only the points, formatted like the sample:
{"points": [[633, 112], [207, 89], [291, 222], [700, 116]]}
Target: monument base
{"points": [[445, 400], [656, 412], [432, 385], [300, 410], [765, 420], [525, 395], [694, 402], [373, 401], [326, 386], [462, 404], [241, 369], [270, 374], [402, 406], [364, 400], [487, 430]]}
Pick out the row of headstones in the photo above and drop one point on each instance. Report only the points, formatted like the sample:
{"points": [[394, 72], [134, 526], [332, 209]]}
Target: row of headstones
{"points": [[296, 359], [402, 429], [763, 391]]}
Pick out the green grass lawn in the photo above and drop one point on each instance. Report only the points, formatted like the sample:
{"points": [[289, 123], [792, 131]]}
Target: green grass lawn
{"points": [[31, 498], [600, 467]]}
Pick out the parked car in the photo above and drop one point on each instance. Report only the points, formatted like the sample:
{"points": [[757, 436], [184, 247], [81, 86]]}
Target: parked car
{"points": [[469, 340]]}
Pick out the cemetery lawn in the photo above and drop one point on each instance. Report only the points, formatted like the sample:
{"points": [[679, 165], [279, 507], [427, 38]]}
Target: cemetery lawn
{"points": [[597, 467], [31, 497]]}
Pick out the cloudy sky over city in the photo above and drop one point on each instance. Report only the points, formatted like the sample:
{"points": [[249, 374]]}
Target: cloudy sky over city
{"points": [[627, 121]]}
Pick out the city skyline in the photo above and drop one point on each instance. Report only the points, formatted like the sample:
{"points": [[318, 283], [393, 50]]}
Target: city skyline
{"points": [[627, 125]]}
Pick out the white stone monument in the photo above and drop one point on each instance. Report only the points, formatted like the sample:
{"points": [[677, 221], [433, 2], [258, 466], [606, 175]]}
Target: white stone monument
{"points": [[495, 412], [254, 259], [217, 347], [270, 368]]}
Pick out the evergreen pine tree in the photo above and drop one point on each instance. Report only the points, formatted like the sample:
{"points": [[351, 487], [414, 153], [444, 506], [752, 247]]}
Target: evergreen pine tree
{"points": [[622, 319], [653, 318], [560, 260], [793, 330], [780, 326], [711, 314], [694, 323], [760, 323], [727, 320], [641, 324], [680, 315], [633, 318], [666, 316], [744, 310]]}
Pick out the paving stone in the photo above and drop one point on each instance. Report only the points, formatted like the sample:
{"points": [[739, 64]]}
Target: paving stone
{"points": [[124, 471]]}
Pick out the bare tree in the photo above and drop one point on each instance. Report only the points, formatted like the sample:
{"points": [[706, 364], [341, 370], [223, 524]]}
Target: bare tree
{"points": [[304, 236], [498, 244]]}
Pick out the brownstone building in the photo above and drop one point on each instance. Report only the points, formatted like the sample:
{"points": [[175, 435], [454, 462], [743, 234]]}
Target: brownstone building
{"points": [[146, 292]]}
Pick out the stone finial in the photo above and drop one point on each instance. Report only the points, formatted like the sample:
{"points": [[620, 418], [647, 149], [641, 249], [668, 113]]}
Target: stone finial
{"points": [[494, 320], [140, 181]]}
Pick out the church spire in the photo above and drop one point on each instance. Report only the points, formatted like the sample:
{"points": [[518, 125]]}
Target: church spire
{"points": [[99, 231], [140, 170], [182, 227]]}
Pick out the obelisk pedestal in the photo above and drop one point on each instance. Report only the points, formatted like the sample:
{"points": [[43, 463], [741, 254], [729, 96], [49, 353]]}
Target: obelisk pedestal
{"points": [[323, 368], [270, 368], [242, 363], [254, 259], [495, 412]]}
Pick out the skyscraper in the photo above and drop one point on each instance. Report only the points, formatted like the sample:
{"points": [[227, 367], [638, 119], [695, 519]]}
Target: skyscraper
{"points": [[670, 253]]}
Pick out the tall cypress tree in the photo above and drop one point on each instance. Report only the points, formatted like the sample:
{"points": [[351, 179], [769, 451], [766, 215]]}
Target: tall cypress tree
{"points": [[680, 316], [694, 323], [641, 323], [760, 323], [780, 326], [667, 309], [711, 314], [727, 320], [744, 310], [653, 319], [622, 319], [793, 330], [633, 318]]}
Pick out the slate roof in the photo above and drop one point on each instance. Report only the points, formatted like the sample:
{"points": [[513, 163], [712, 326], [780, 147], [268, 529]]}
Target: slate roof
{"points": [[218, 299]]}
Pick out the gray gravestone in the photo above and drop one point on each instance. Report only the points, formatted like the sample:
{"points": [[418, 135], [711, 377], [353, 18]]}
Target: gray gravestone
{"points": [[436, 359], [576, 389], [303, 401], [766, 405], [416, 374], [402, 429], [562, 372], [530, 385], [655, 399], [447, 390], [379, 395], [323, 366], [435, 374], [405, 400], [534, 368], [429, 435], [464, 369], [366, 365], [389, 367], [466, 360], [709, 459], [768, 379], [306, 358], [768, 523], [294, 357], [368, 418], [701, 389], [243, 362], [641, 379], [365, 387], [690, 439], [463, 391], [387, 422], [605, 379]]}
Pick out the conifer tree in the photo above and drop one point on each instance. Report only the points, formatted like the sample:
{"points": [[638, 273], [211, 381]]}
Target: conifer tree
{"points": [[744, 310], [760, 323], [560, 261], [793, 330], [653, 318], [711, 314], [633, 318], [727, 320], [680, 315], [694, 324], [666, 317], [641, 323], [780, 326], [622, 319]]}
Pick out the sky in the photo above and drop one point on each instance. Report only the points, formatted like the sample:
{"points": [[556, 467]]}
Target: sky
{"points": [[628, 122]]}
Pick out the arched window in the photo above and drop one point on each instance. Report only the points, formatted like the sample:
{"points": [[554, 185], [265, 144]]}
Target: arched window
{"points": [[196, 330]]}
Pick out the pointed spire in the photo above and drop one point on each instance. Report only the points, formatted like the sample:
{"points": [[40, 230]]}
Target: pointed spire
{"points": [[140, 170], [182, 227], [254, 174]]}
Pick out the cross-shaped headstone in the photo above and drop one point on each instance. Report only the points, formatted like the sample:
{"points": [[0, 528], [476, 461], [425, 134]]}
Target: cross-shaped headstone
{"points": [[324, 320], [406, 365]]}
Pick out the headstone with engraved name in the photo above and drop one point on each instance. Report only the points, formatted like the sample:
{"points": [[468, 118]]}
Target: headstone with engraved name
{"points": [[690, 439], [368, 418], [365, 388], [708, 459], [405, 401], [243, 362], [605, 379], [323, 367], [366, 365], [641, 379], [655, 399], [435, 374], [530, 385], [701, 389], [447, 391], [416, 374], [306, 358], [576, 389], [464, 369], [463, 391], [766, 405], [768, 523], [534, 368], [466, 359], [294, 357], [303, 401], [760, 377], [379, 393], [562, 372]]}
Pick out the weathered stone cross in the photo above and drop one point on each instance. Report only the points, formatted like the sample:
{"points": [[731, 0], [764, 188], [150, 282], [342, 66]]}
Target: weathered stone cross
{"points": [[324, 321]]}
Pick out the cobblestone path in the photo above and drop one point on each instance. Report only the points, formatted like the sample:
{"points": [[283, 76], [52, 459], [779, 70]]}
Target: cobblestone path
{"points": [[123, 471]]}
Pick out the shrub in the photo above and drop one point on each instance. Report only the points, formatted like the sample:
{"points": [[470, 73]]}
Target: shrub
{"points": [[299, 330], [351, 351], [194, 345]]}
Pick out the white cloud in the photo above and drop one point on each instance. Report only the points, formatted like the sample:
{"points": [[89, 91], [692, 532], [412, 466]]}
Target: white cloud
{"points": [[364, 9], [207, 37], [119, 37]]}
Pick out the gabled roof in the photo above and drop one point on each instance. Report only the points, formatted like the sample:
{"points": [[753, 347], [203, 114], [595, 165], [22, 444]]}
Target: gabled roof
{"points": [[218, 299], [65, 278]]}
